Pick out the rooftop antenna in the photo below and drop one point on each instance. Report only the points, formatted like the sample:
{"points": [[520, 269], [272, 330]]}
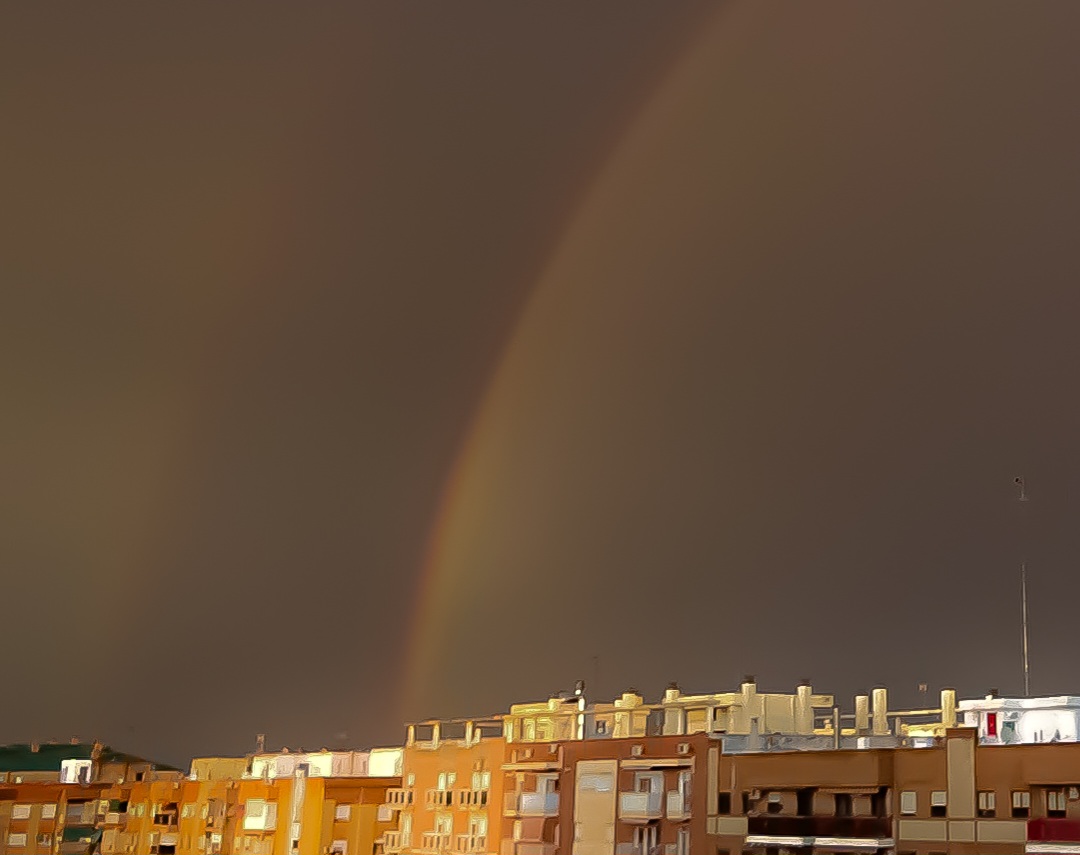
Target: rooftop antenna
{"points": [[1023, 587]]}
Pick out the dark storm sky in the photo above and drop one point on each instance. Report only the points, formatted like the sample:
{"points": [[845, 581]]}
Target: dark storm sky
{"points": [[259, 268]]}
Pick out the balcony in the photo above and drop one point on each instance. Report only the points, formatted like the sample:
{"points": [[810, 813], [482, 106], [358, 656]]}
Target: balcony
{"points": [[1053, 830], [81, 814], [532, 804], [629, 849], [435, 799], [398, 798], [395, 841], [524, 847], [639, 807], [848, 827], [435, 842], [469, 799], [470, 844], [678, 806]]}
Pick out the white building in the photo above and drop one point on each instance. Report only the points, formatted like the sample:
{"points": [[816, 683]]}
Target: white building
{"points": [[1009, 721], [377, 763]]}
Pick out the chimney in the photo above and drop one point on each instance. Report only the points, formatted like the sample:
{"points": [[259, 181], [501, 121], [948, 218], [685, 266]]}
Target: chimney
{"points": [[74, 740], [862, 713], [948, 707], [579, 688], [260, 743], [880, 706], [804, 712], [749, 686], [993, 694], [671, 694], [35, 747]]}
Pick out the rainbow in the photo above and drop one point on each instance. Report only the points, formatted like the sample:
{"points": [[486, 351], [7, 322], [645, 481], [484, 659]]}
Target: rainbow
{"points": [[469, 487]]}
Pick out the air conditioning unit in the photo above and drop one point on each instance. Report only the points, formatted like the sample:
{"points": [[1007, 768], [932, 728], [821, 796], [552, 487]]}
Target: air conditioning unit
{"points": [[684, 748]]}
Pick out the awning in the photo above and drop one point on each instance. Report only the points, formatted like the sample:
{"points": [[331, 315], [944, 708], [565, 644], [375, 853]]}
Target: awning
{"points": [[657, 762], [532, 766]]}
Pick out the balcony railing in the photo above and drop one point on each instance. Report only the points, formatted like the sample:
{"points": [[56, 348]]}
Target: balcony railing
{"points": [[532, 804], [439, 799], [639, 807], [434, 841], [629, 849], [395, 841], [467, 799], [867, 827], [522, 847], [1053, 830], [470, 844], [399, 798], [678, 805]]}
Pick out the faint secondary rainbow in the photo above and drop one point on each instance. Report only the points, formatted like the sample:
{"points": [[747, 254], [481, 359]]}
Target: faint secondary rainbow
{"points": [[254, 229], [471, 476]]}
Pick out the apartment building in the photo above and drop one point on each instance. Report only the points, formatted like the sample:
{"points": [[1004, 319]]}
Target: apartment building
{"points": [[634, 796], [54, 797], [451, 784], [954, 798], [123, 807]]}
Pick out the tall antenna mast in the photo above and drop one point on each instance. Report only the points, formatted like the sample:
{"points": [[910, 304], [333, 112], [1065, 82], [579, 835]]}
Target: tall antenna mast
{"points": [[1023, 589]]}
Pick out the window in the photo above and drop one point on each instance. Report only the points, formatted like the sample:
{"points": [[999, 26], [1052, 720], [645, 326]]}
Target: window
{"points": [[1021, 803], [44, 841], [987, 803], [596, 783], [410, 779], [775, 803], [342, 813], [1055, 803], [844, 804], [16, 840], [723, 803], [682, 842], [339, 847], [909, 803], [938, 803], [601, 726], [48, 811], [187, 812]]}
